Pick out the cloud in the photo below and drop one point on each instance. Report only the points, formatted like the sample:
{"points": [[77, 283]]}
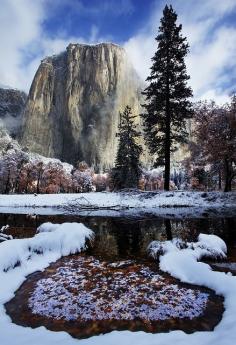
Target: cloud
{"points": [[20, 23], [24, 42], [212, 45], [211, 62]]}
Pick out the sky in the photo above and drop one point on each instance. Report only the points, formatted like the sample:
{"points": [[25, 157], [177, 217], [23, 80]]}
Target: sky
{"points": [[33, 29]]}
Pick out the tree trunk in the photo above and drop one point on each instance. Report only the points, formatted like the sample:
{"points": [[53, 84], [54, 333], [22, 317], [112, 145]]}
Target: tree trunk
{"points": [[230, 184], [167, 159], [168, 230], [220, 180], [26, 187], [17, 182], [38, 181], [167, 138], [7, 186], [228, 179]]}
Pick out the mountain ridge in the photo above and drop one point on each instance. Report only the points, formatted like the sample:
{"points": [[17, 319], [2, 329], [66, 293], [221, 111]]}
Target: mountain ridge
{"points": [[72, 111]]}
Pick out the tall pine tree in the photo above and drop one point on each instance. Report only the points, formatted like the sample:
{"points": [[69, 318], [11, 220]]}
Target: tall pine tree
{"points": [[167, 96], [127, 170]]}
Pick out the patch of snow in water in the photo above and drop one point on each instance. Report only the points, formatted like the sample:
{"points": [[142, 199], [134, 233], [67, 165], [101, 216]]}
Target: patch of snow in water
{"points": [[182, 264], [102, 294]]}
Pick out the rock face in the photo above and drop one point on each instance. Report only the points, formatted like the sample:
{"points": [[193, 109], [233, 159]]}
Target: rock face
{"points": [[72, 111], [12, 103]]}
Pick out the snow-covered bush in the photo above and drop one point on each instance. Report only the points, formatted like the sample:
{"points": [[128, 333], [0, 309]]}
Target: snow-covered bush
{"points": [[210, 246], [101, 182], [82, 178], [153, 180]]}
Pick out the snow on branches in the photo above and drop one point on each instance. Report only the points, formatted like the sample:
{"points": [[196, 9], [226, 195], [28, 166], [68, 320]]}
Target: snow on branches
{"points": [[213, 150], [24, 172]]}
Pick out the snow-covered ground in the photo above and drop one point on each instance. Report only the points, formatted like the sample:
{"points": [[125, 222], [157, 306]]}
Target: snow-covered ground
{"points": [[119, 201], [21, 257]]}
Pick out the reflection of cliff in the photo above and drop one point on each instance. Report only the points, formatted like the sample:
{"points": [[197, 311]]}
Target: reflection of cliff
{"points": [[72, 111], [117, 238], [120, 238], [105, 243]]}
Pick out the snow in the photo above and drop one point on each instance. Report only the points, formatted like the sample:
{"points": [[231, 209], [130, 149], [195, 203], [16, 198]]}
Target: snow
{"points": [[211, 245], [139, 200], [181, 263], [34, 157], [4, 237], [226, 265], [206, 246], [47, 227], [4, 227], [87, 289], [64, 239]]}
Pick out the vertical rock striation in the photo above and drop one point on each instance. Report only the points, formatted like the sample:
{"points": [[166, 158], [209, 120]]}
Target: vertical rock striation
{"points": [[72, 111]]}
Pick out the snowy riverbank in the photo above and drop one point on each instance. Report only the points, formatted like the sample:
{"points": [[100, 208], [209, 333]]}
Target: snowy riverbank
{"points": [[119, 201]]}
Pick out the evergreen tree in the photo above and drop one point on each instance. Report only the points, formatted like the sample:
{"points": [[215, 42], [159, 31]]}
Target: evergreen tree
{"points": [[167, 96], [127, 170]]}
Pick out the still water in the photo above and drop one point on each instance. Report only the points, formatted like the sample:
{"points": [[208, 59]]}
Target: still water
{"points": [[116, 285], [124, 238]]}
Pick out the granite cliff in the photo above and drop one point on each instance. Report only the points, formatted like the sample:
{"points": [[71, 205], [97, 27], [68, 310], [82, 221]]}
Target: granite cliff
{"points": [[72, 111]]}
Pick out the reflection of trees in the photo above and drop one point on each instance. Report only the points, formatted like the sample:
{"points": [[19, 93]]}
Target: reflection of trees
{"points": [[151, 230], [105, 238], [168, 229], [106, 243], [129, 238], [20, 225], [123, 238], [231, 230]]}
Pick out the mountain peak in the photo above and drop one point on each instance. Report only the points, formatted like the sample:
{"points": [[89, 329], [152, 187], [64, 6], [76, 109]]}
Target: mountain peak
{"points": [[73, 107]]}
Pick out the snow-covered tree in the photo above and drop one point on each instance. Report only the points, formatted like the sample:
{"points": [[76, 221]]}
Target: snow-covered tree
{"points": [[127, 169], [11, 165], [167, 104], [215, 145], [82, 178]]}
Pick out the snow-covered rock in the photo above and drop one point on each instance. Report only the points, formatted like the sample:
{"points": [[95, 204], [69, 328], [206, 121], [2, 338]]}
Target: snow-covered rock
{"points": [[206, 246], [61, 239]]}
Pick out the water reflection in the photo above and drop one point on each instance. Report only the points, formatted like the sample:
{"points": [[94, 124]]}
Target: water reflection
{"points": [[116, 239], [127, 238], [168, 229]]}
